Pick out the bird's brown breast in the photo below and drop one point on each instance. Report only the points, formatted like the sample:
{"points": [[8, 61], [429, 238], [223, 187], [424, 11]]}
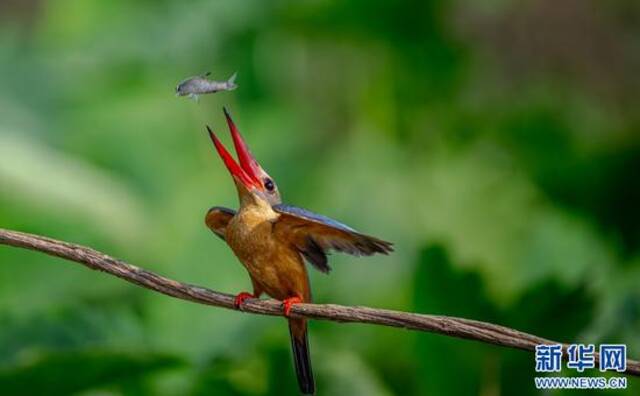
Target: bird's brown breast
{"points": [[271, 262], [249, 235]]}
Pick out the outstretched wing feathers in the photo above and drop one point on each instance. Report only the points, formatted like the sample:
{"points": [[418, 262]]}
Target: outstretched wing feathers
{"points": [[315, 235], [311, 216]]}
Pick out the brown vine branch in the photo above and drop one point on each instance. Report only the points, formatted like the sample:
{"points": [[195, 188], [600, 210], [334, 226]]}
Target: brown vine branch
{"points": [[446, 325]]}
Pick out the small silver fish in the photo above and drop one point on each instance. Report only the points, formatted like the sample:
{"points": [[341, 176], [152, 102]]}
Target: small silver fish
{"points": [[194, 86]]}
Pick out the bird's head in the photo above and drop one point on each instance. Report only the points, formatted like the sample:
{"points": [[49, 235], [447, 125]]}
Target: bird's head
{"points": [[254, 185]]}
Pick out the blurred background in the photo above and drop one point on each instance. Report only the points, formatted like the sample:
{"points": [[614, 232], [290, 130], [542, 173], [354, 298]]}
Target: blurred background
{"points": [[496, 143]]}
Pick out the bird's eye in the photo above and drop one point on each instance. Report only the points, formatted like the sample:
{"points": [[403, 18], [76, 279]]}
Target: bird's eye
{"points": [[268, 184]]}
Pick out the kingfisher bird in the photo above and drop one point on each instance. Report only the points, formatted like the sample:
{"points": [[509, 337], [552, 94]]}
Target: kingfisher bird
{"points": [[273, 240]]}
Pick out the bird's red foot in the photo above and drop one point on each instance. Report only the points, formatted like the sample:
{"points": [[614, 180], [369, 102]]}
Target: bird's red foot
{"points": [[240, 299], [288, 303]]}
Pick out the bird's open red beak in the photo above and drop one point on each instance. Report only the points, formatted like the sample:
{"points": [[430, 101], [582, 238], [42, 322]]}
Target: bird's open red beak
{"points": [[247, 171]]}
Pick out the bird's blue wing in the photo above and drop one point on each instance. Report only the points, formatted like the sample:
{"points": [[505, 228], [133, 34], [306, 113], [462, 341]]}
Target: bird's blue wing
{"points": [[311, 216], [315, 235]]}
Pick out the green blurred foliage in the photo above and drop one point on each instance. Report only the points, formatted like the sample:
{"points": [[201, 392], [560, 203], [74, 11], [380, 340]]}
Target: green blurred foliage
{"points": [[496, 143], [75, 371]]}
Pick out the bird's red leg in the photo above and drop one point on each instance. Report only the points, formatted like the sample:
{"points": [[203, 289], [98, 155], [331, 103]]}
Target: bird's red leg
{"points": [[287, 303], [240, 299]]}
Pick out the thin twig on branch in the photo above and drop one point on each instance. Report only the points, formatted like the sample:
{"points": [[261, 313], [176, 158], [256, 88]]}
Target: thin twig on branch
{"points": [[446, 325]]}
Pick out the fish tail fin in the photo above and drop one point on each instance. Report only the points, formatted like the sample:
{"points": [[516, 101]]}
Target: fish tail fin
{"points": [[301, 356], [231, 82]]}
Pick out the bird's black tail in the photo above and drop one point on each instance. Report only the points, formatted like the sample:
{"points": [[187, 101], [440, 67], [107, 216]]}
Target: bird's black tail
{"points": [[301, 356]]}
